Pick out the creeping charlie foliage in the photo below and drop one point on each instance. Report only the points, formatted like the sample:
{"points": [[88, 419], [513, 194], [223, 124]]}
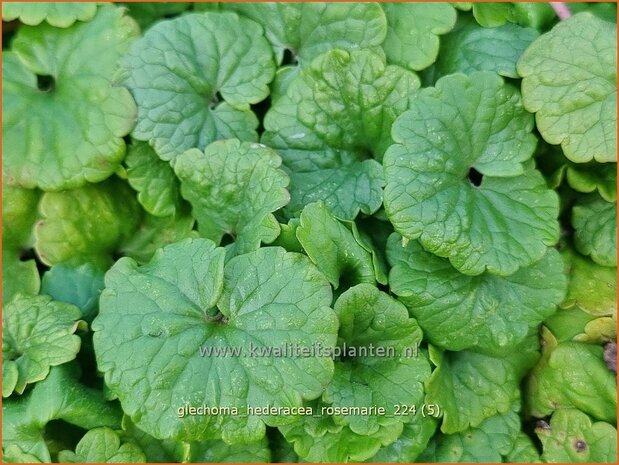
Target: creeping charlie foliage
{"points": [[309, 232]]}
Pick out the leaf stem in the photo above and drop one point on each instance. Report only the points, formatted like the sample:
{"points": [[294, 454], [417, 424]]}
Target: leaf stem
{"points": [[561, 9]]}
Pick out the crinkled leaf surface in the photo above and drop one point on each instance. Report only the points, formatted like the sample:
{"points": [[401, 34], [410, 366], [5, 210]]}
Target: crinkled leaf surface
{"points": [[234, 187], [19, 210], [323, 439], [184, 301], [472, 48], [470, 387], [309, 29], [458, 312], [524, 450], [413, 441], [592, 288], [37, 333], [86, 224], [505, 222], [58, 397], [570, 82], [154, 179], [220, 452], [71, 133], [58, 14], [333, 248], [326, 129], [488, 443], [573, 438], [369, 317], [572, 375], [412, 33], [102, 445], [595, 223], [180, 69], [77, 285]]}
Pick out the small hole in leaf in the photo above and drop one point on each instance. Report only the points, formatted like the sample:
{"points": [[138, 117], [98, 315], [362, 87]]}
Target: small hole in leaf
{"points": [[289, 57], [215, 100], [45, 82], [475, 177], [580, 445]]}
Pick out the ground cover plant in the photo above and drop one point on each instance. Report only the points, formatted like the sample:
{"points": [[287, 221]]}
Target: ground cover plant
{"points": [[309, 232]]}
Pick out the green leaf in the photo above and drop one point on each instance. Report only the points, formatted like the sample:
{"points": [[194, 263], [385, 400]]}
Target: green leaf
{"points": [[184, 303], [572, 437], [499, 224], [413, 441], [412, 33], [220, 452], [19, 212], [470, 388], [333, 248], [570, 82], [493, 14], [102, 445], [156, 451], [472, 48], [14, 454], [391, 374], [180, 69], [146, 13], [85, 224], [18, 277], [320, 439], [488, 443], [59, 397], [70, 133], [595, 224], [572, 375], [155, 232], [58, 14], [37, 333], [524, 450], [489, 312], [233, 188], [76, 285], [325, 129], [590, 177], [309, 29], [154, 179]]}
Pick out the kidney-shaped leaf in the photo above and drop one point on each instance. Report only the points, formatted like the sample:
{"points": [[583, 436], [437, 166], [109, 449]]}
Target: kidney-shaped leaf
{"points": [[180, 70], [457, 180], [166, 335]]}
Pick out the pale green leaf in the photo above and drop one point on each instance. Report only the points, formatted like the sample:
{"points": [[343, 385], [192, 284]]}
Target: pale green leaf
{"points": [[498, 224], [333, 248], [412, 32], [58, 14], [572, 375], [102, 445], [154, 179], [595, 225], [234, 187], [37, 333], [570, 82], [193, 79], [70, 133], [413, 441], [220, 452], [86, 224], [572, 437]]}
